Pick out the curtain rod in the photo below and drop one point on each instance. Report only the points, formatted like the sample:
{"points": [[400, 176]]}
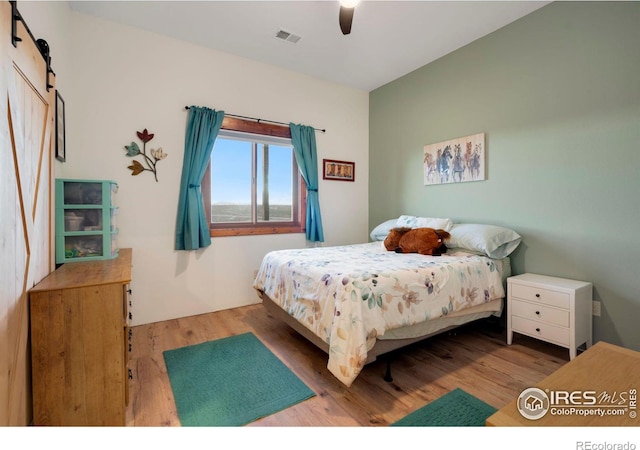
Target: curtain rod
{"points": [[259, 120]]}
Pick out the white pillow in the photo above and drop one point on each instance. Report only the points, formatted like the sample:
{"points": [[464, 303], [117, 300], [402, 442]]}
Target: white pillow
{"points": [[492, 240], [422, 222], [380, 232]]}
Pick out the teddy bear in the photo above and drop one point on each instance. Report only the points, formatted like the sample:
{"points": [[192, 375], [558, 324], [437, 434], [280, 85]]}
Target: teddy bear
{"points": [[425, 241]]}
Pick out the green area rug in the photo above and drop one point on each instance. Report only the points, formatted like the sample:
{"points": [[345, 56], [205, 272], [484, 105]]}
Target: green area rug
{"points": [[454, 409], [231, 382]]}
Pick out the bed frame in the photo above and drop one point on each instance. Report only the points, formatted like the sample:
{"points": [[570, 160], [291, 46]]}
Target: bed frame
{"points": [[381, 347]]}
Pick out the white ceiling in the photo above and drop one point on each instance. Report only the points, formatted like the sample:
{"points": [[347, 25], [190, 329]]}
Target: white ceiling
{"points": [[388, 38]]}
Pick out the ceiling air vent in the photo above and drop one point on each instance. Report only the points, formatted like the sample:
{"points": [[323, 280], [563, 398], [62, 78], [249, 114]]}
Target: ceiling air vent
{"points": [[286, 36]]}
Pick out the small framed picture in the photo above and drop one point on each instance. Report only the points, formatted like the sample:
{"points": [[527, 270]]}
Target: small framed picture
{"points": [[338, 170], [61, 152]]}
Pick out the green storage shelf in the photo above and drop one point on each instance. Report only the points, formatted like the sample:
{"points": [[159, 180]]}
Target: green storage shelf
{"points": [[85, 220]]}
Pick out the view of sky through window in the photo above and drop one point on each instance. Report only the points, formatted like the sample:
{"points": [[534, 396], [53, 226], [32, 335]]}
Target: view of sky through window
{"points": [[231, 173]]}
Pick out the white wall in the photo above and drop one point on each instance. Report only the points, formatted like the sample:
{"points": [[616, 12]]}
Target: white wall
{"points": [[124, 80]]}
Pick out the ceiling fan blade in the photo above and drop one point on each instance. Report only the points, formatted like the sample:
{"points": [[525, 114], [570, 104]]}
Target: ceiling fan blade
{"points": [[346, 17]]}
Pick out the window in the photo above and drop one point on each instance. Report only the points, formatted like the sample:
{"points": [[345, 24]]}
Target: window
{"points": [[252, 184]]}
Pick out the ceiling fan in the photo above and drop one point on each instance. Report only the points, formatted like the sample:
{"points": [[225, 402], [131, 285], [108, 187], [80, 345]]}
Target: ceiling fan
{"points": [[346, 15]]}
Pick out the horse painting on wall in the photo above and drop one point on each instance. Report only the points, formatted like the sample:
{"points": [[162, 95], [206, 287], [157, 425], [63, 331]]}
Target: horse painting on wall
{"points": [[455, 161]]}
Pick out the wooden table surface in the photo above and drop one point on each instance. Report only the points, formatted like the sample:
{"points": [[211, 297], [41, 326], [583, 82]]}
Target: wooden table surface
{"points": [[598, 388]]}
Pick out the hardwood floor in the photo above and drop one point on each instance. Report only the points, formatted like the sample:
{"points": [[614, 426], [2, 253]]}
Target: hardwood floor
{"points": [[474, 358]]}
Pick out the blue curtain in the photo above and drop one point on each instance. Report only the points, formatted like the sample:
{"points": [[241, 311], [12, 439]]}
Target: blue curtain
{"points": [[192, 229], [304, 147]]}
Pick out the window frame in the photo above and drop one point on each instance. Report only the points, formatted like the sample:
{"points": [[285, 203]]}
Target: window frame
{"points": [[298, 224]]}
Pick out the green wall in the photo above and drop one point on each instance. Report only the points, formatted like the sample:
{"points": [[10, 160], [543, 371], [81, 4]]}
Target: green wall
{"points": [[558, 95]]}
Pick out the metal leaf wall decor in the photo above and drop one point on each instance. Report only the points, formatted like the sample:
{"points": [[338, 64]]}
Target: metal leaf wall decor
{"points": [[150, 160]]}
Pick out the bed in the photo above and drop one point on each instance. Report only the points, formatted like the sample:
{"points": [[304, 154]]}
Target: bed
{"points": [[359, 301]]}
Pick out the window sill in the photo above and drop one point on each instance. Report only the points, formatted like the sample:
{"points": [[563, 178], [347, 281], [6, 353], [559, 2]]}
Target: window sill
{"points": [[256, 231]]}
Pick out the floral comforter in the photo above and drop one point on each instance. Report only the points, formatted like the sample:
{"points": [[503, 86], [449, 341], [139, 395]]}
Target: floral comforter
{"points": [[349, 295]]}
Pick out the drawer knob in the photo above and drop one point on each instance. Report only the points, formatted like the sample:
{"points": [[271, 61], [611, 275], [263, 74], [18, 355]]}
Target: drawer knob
{"points": [[538, 330], [537, 295]]}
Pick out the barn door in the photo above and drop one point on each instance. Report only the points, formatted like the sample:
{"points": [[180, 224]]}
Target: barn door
{"points": [[27, 110]]}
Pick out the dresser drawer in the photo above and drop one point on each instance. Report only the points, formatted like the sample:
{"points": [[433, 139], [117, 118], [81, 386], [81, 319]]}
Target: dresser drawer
{"points": [[540, 330], [539, 295], [539, 312]]}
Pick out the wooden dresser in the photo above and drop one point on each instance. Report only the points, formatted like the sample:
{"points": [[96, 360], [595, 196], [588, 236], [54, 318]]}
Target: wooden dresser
{"points": [[597, 388], [80, 343]]}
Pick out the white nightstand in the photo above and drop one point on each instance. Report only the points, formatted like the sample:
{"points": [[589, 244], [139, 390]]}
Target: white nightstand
{"points": [[556, 310]]}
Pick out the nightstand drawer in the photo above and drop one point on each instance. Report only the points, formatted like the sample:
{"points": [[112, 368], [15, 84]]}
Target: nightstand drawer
{"points": [[538, 295], [540, 330], [539, 312]]}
